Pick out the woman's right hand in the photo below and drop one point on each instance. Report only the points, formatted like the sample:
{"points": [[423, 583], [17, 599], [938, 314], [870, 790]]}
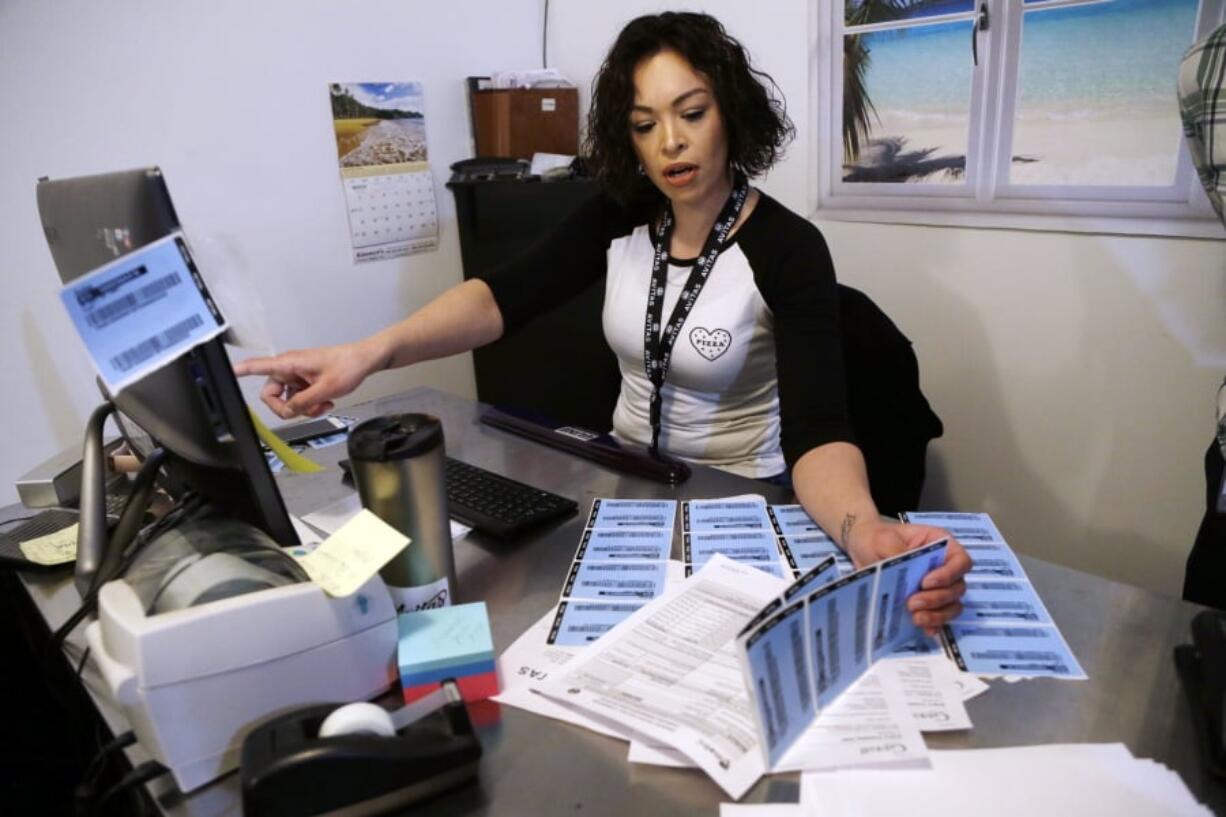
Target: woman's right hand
{"points": [[307, 381]]}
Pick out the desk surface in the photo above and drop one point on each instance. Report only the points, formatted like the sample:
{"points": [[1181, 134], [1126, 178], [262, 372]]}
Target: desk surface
{"points": [[1122, 635]]}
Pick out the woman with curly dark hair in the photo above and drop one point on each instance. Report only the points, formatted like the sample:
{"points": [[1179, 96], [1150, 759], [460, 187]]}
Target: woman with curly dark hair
{"points": [[720, 304]]}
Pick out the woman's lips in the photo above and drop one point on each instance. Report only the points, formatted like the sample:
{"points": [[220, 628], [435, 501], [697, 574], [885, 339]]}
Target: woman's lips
{"points": [[680, 175]]}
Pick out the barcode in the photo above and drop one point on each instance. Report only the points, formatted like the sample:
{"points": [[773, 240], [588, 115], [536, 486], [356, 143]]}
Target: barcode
{"points": [[151, 291], [148, 348], [111, 312]]}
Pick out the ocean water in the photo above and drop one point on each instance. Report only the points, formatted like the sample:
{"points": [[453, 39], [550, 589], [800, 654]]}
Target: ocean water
{"points": [[1117, 58]]}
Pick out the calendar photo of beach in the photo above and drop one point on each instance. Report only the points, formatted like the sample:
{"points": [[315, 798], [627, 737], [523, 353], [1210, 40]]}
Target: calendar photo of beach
{"points": [[378, 123], [1095, 104]]}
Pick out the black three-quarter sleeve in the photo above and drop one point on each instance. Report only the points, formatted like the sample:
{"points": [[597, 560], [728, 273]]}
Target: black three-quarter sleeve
{"points": [[559, 266], [793, 271]]}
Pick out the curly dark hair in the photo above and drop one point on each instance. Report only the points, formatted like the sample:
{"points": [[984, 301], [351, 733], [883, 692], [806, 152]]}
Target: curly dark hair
{"points": [[754, 115]]}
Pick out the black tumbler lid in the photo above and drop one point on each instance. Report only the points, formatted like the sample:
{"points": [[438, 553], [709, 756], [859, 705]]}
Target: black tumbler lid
{"points": [[396, 437]]}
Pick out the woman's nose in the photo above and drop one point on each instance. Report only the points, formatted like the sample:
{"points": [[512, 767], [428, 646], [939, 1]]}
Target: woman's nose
{"points": [[674, 140]]}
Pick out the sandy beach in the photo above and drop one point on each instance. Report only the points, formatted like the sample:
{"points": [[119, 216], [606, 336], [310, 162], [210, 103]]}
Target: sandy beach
{"points": [[1086, 150], [1094, 102], [390, 141]]}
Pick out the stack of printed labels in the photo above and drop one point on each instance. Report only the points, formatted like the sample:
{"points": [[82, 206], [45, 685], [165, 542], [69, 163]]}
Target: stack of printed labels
{"points": [[686, 700], [701, 663]]}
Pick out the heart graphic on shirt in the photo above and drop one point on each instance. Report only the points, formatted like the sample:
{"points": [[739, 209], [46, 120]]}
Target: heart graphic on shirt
{"points": [[710, 343]]}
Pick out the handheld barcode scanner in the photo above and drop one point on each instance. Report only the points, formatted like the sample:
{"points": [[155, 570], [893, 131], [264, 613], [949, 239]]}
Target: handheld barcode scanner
{"points": [[358, 759]]}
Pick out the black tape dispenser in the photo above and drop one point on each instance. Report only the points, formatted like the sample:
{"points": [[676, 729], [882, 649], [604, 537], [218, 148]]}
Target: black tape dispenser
{"points": [[358, 759]]}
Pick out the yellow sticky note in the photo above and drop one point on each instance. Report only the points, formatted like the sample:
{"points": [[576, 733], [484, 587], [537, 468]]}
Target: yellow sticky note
{"points": [[292, 459], [348, 558], [52, 549]]}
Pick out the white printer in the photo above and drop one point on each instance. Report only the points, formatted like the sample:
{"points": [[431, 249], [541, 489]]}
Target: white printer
{"points": [[198, 644]]}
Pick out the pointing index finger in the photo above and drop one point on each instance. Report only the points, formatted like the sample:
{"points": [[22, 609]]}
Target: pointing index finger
{"points": [[256, 365]]}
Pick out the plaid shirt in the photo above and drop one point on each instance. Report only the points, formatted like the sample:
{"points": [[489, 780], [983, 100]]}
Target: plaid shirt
{"points": [[1202, 105]]}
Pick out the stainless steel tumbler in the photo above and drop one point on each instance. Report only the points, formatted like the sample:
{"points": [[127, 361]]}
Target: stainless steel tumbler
{"points": [[398, 469]]}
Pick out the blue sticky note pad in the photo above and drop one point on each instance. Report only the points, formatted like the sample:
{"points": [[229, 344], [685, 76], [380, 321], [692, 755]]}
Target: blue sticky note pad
{"points": [[1011, 650], [806, 550], [965, 527], [773, 659], [838, 633], [579, 623], [647, 545], [1007, 601], [724, 514], [632, 513], [791, 519], [740, 546], [993, 561], [141, 311], [433, 676], [622, 581], [817, 577], [899, 580], [444, 637]]}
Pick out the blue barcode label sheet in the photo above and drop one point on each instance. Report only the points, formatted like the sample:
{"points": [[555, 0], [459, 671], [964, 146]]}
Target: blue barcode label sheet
{"points": [[1004, 628], [141, 311], [739, 528], [620, 564], [805, 648], [802, 541]]}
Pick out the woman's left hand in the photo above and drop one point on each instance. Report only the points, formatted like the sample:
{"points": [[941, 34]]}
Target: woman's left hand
{"points": [[939, 599]]}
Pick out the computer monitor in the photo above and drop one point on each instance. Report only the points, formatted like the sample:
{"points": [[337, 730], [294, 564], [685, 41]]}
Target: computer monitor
{"points": [[193, 407]]}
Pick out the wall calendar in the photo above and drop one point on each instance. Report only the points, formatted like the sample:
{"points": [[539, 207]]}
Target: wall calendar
{"points": [[381, 147]]}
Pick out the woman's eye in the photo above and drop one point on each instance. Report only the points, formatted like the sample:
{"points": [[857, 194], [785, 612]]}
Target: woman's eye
{"points": [[694, 115], [641, 127]]}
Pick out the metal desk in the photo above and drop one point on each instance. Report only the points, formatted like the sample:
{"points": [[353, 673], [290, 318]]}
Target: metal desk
{"points": [[1122, 635]]}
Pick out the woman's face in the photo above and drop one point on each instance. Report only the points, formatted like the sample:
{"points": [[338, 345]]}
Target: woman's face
{"points": [[677, 130]]}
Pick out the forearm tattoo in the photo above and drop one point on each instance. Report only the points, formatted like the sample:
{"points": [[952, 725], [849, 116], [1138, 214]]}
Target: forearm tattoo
{"points": [[845, 531]]}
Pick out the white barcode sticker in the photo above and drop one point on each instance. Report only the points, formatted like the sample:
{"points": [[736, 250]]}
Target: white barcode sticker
{"points": [[142, 310]]}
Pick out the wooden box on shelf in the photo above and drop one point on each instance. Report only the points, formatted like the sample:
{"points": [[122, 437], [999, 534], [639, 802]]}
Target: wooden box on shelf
{"points": [[518, 122]]}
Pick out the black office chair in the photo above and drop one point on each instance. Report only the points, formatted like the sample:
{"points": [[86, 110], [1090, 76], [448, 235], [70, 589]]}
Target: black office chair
{"points": [[891, 418]]}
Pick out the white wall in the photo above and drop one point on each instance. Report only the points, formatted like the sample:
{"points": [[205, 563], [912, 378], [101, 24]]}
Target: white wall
{"points": [[231, 99], [1075, 374]]}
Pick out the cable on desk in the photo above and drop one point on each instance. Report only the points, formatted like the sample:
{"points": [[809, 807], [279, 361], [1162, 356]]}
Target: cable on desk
{"points": [[142, 774], [86, 790], [18, 519], [189, 505]]}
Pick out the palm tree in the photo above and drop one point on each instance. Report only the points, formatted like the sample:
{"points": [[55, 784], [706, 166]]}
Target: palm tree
{"points": [[858, 110]]}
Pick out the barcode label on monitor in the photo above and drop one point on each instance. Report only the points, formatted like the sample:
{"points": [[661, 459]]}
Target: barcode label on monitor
{"points": [[142, 311], [109, 313], [151, 346]]}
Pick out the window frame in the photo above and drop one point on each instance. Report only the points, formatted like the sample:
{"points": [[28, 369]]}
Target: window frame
{"points": [[985, 198]]}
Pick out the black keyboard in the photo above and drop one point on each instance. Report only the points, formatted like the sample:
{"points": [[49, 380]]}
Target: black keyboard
{"points": [[41, 524], [493, 504], [44, 523]]}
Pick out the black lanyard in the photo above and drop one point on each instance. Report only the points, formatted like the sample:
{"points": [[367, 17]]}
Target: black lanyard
{"points": [[657, 345]]}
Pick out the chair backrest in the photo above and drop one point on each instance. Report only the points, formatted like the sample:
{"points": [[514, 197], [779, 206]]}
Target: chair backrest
{"points": [[890, 415]]}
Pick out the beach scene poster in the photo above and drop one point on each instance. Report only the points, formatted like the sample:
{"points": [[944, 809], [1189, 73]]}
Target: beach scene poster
{"points": [[1095, 102], [1096, 98], [380, 130], [378, 123]]}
